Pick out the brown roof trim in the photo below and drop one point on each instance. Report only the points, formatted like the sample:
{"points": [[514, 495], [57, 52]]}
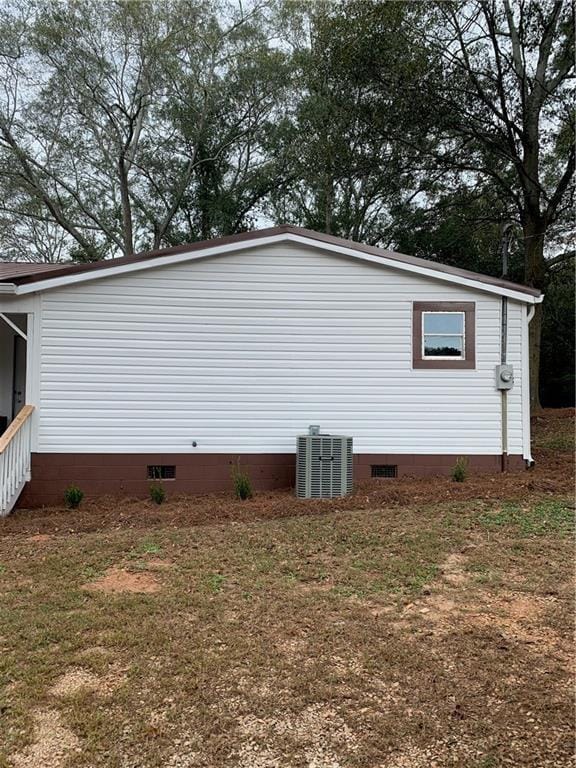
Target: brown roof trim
{"points": [[33, 276], [10, 270]]}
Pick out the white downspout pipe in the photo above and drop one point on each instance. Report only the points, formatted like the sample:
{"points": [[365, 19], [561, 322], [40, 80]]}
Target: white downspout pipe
{"points": [[531, 311]]}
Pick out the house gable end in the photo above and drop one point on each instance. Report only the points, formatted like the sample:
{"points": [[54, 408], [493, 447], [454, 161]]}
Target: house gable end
{"points": [[266, 238]]}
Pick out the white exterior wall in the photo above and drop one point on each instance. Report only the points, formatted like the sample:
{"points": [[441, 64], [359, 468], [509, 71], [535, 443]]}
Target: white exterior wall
{"points": [[242, 352]]}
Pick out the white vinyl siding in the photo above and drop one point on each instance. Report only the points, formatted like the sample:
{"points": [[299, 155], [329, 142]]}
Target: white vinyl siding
{"points": [[241, 352]]}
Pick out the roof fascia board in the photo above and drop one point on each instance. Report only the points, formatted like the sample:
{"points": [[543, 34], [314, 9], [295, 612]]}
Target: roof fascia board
{"points": [[160, 261]]}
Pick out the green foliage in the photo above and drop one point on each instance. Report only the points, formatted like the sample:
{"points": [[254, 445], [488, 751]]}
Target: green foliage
{"points": [[461, 228], [541, 519], [215, 582], [149, 548], [73, 496], [242, 483], [559, 443], [558, 384], [346, 171], [185, 158], [157, 493], [482, 574], [421, 576], [460, 470]]}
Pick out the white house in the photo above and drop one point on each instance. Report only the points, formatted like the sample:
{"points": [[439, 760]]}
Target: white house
{"points": [[182, 361]]}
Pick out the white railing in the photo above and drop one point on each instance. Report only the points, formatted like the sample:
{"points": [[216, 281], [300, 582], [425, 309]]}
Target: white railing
{"points": [[15, 449]]}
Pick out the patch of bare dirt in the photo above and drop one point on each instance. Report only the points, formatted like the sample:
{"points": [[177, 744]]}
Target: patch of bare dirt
{"points": [[553, 474], [385, 694], [246, 684], [73, 682], [187, 754], [117, 580], [293, 647], [52, 744], [442, 603], [95, 650], [343, 666], [318, 734], [40, 538], [80, 680], [436, 607], [412, 757], [434, 755], [450, 605], [379, 610], [517, 617], [454, 753], [453, 569]]}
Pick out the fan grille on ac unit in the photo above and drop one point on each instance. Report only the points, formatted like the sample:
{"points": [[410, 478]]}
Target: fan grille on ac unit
{"points": [[323, 466]]}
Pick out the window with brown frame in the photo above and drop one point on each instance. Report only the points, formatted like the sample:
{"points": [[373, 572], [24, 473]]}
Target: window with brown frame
{"points": [[443, 334]]}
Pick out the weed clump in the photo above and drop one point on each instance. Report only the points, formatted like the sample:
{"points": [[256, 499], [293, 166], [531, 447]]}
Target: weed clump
{"points": [[242, 483], [460, 470], [157, 493]]}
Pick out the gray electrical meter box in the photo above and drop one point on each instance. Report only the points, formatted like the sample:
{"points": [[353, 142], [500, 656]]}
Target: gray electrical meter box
{"points": [[504, 376]]}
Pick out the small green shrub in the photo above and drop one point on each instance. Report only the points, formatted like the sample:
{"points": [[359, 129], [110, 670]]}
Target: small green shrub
{"points": [[73, 496], [157, 493], [460, 470], [242, 483]]}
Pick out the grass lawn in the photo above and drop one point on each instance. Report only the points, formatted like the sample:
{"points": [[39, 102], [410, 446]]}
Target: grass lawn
{"points": [[436, 633]]}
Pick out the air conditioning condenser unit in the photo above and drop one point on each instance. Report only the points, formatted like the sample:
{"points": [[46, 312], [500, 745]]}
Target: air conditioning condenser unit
{"points": [[323, 466]]}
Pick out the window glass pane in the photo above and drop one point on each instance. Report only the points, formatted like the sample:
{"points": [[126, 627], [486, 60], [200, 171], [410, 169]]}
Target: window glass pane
{"points": [[443, 346], [444, 322]]}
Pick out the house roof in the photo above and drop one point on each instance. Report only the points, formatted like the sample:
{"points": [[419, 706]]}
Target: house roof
{"points": [[15, 270], [26, 277]]}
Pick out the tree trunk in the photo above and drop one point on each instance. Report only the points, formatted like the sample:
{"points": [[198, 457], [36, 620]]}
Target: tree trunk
{"points": [[127, 232], [328, 203], [535, 341], [535, 274]]}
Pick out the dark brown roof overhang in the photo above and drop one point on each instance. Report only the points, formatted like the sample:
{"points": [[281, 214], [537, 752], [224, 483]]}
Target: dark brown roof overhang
{"points": [[19, 273]]}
